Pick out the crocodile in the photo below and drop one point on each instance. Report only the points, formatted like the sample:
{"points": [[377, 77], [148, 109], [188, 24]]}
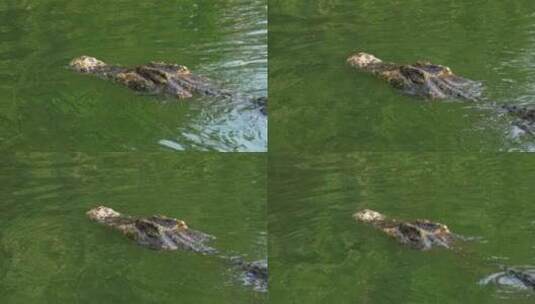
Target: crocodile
{"points": [[514, 277], [160, 232], [158, 78], [153, 78], [156, 232], [435, 82], [422, 78], [425, 234], [418, 234]]}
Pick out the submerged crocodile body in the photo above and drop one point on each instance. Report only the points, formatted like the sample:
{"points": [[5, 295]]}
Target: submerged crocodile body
{"points": [[254, 273], [435, 81], [164, 233], [513, 277], [156, 78], [418, 234], [525, 117]]}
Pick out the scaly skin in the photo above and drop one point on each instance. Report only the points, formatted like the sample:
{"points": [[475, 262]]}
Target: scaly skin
{"points": [[424, 79], [153, 78], [156, 232]]}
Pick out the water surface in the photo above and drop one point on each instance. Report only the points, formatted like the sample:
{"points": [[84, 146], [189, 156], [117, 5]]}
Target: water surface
{"points": [[50, 252], [320, 254], [45, 107], [319, 103]]}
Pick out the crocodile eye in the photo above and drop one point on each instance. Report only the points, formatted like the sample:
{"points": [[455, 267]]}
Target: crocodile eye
{"points": [[183, 69]]}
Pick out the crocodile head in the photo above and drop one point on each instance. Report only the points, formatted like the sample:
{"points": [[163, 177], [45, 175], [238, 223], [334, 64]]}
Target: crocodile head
{"points": [[86, 64], [363, 60], [369, 216], [102, 214]]}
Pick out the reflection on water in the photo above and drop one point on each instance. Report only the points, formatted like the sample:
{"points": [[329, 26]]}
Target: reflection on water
{"points": [[347, 110], [320, 254], [237, 126], [231, 126], [51, 252], [45, 107]]}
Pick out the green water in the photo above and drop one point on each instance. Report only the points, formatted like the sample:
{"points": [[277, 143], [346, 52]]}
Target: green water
{"points": [[45, 107], [51, 253], [320, 104], [340, 140], [320, 254]]}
